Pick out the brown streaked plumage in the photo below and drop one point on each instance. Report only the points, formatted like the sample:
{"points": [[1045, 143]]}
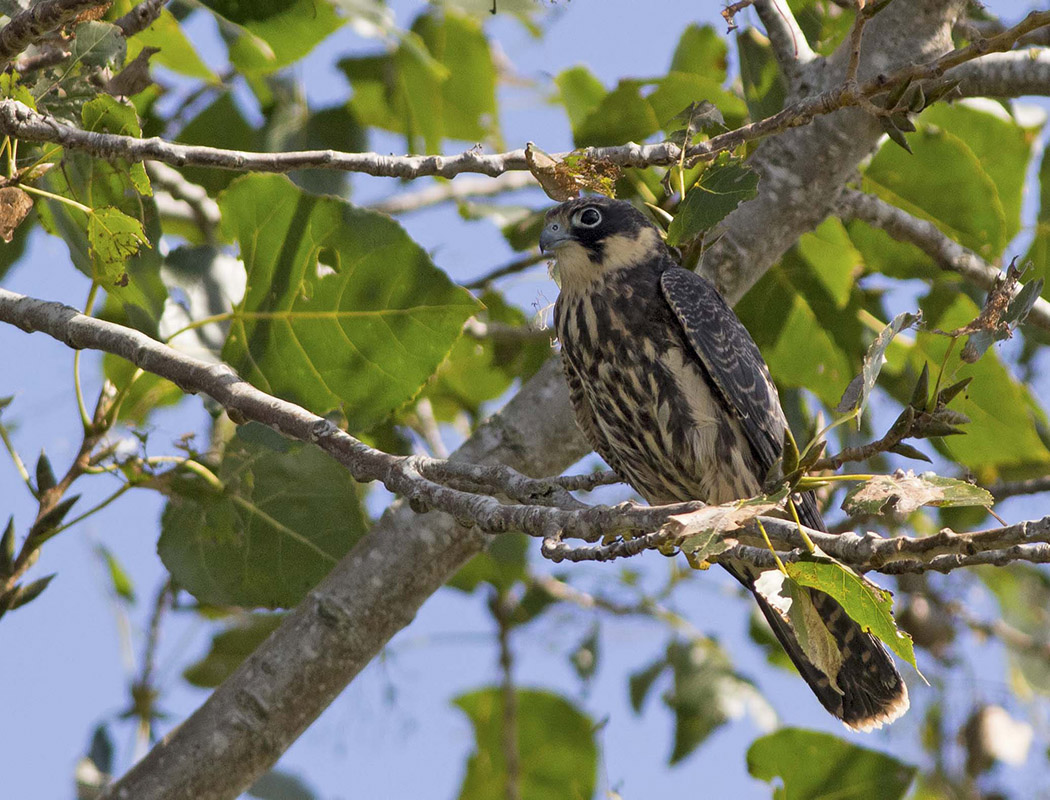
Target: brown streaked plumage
{"points": [[672, 392]]}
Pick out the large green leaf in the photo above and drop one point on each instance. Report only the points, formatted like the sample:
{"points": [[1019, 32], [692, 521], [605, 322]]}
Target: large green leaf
{"points": [[819, 766], [1002, 146], [702, 51], [222, 121], [1039, 251], [623, 115], [763, 87], [558, 755], [177, 53], [440, 82], [287, 513], [276, 33], [477, 371], [861, 599], [833, 258], [343, 309], [581, 93], [944, 182]]}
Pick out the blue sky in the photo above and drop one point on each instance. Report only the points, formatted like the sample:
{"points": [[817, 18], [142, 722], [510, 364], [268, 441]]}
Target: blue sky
{"points": [[65, 663]]}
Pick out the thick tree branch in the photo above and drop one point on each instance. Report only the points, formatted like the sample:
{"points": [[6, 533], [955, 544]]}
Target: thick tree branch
{"points": [[789, 44], [1015, 74], [36, 22], [140, 17], [945, 252]]}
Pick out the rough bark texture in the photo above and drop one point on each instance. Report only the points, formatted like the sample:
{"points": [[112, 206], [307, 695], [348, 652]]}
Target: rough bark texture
{"points": [[376, 590], [802, 170], [369, 596]]}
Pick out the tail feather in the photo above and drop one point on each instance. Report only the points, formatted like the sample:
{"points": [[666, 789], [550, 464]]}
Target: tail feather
{"points": [[871, 692]]}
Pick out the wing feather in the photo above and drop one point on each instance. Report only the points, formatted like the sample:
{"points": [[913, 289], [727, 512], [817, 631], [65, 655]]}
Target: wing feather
{"points": [[731, 359]]}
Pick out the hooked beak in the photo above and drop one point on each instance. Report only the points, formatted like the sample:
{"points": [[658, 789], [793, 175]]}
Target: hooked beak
{"points": [[553, 235]]}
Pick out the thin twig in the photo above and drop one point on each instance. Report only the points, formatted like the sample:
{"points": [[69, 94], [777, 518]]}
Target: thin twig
{"points": [[512, 268], [945, 252], [18, 120], [1005, 489], [406, 202], [501, 332]]}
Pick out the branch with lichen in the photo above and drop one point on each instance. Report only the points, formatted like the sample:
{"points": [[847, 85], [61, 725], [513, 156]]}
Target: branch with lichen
{"points": [[538, 507], [19, 121]]}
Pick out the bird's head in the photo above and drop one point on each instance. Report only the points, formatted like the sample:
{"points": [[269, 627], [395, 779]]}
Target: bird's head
{"points": [[590, 237]]}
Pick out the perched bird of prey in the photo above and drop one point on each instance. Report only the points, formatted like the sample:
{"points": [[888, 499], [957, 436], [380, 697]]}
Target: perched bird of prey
{"points": [[671, 390]]}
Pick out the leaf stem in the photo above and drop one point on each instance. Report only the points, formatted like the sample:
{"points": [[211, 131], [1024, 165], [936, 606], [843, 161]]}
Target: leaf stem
{"points": [[801, 531], [17, 459], [769, 544], [52, 196], [85, 419]]}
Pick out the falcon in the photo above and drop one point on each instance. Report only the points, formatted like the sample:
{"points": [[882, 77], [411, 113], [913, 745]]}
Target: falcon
{"points": [[671, 390]]}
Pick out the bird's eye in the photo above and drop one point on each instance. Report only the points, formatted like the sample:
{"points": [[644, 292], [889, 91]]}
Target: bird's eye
{"points": [[589, 217]]}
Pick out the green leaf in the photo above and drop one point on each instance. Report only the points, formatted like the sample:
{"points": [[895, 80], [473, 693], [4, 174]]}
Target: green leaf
{"points": [[501, 564], [477, 371], [244, 11], [277, 785], [11, 87], [862, 600], [581, 93], [98, 44], [945, 183], [222, 120], [28, 592], [1002, 146], [362, 333], [280, 525], [177, 53], [7, 548], [113, 238], [623, 115], [702, 51], [439, 83], [106, 113], [558, 755], [819, 766], [289, 28], [721, 189], [677, 90], [118, 577], [1003, 434], [45, 475], [860, 388], [706, 694], [642, 681], [834, 259], [764, 90], [230, 647]]}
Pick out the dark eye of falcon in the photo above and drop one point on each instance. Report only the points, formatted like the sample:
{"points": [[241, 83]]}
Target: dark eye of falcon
{"points": [[589, 217]]}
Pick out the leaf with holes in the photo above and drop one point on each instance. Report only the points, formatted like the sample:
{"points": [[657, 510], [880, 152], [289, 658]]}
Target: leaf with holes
{"points": [[721, 188], [113, 238], [860, 388], [904, 492], [342, 308]]}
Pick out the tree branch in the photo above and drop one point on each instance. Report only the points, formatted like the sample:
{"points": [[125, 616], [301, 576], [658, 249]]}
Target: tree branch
{"points": [[36, 22], [405, 202], [1015, 74], [140, 17], [945, 252], [20, 121], [789, 44]]}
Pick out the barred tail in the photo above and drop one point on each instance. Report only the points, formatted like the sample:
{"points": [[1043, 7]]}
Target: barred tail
{"points": [[872, 691]]}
